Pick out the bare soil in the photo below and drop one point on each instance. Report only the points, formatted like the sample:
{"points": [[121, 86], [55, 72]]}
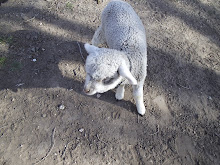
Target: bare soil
{"points": [[46, 119]]}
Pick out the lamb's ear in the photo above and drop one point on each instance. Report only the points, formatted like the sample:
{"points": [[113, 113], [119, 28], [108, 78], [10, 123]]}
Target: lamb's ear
{"points": [[90, 48], [125, 72]]}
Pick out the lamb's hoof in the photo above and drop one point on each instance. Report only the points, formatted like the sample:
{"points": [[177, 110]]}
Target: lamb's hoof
{"points": [[141, 111]]}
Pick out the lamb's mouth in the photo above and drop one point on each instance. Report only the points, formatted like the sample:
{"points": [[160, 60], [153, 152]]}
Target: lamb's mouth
{"points": [[89, 92]]}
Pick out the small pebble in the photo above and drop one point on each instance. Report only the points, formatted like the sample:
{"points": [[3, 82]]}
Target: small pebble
{"points": [[81, 130], [35, 37], [34, 60], [33, 49], [28, 36], [62, 107], [98, 95], [44, 115]]}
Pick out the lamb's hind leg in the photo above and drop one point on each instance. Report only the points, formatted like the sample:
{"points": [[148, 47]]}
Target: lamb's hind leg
{"points": [[98, 38], [119, 95], [138, 97]]}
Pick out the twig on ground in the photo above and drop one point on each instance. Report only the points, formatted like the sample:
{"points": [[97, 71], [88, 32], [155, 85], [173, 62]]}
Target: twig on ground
{"points": [[184, 87], [19, 84], [30, 19], [50, 149], [65, 148], [99, 139], [80, 50], [217, 134]]}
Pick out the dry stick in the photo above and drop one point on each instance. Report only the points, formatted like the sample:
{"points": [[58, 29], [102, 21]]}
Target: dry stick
{"points": [[217, 134], [184, 87], [50, 149], [81, 52], [99, 139], [30, 19], [65, 148]]}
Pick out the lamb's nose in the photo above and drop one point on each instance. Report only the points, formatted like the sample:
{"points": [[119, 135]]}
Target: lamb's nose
{"points": [[86, 90]]}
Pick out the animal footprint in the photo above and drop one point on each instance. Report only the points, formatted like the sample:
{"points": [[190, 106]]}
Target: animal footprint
{"points": [[116, 115]]}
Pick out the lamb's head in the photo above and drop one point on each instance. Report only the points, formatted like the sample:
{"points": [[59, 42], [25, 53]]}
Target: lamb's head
{"points": [[105, 69]]}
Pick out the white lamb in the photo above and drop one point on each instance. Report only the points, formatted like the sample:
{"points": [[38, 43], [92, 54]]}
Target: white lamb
{"points": [[125, 59]]}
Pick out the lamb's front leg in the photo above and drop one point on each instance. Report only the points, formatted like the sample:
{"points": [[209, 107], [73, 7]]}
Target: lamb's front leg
{"points": [[98, 38], [119, 95], [139, 99]]}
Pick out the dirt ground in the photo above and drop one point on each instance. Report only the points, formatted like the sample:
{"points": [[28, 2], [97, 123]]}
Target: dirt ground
{"points": [[46, 119]]}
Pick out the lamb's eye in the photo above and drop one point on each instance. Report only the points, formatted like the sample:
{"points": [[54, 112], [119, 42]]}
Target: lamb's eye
{"points": [[108, 80]]}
